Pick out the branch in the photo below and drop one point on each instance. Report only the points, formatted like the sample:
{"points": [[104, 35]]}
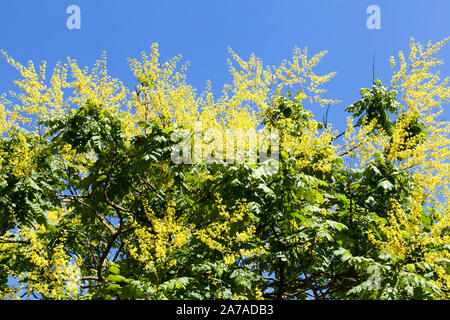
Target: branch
{"points": [[109, 226], [350, 150], [108, 179], [343, 132], [148, 184], [89, 245], [108, 248], [325, 117]]}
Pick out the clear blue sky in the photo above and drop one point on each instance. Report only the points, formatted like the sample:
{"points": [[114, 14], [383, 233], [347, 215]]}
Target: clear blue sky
{"points": [[202, 30]]}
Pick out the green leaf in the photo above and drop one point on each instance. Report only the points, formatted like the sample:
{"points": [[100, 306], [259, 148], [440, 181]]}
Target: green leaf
{"points": [[116, 278], [114, 269]]}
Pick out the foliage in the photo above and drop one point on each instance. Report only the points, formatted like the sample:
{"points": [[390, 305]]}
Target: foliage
{"points": [[93, 207]]}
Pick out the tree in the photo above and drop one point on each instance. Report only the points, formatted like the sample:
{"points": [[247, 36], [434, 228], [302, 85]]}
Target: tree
{"points": [[92, 205]]}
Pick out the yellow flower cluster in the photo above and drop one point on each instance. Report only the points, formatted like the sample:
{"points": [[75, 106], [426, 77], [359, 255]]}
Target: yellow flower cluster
{"points": [[159, 241], [360, 144], [97, 87], [163, 93], [41, 99], [219, 235], [3, 118], [406, 239], [422, 95], [21, 158], [313, 148], [55, 275], [79, 162]]}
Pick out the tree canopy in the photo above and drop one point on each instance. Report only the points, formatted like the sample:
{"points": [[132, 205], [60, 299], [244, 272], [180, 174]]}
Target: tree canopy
{"points": [[108, 192]]}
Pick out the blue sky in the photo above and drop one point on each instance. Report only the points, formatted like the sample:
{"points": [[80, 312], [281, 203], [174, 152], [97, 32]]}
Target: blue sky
{"points": [[202, 30]]}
